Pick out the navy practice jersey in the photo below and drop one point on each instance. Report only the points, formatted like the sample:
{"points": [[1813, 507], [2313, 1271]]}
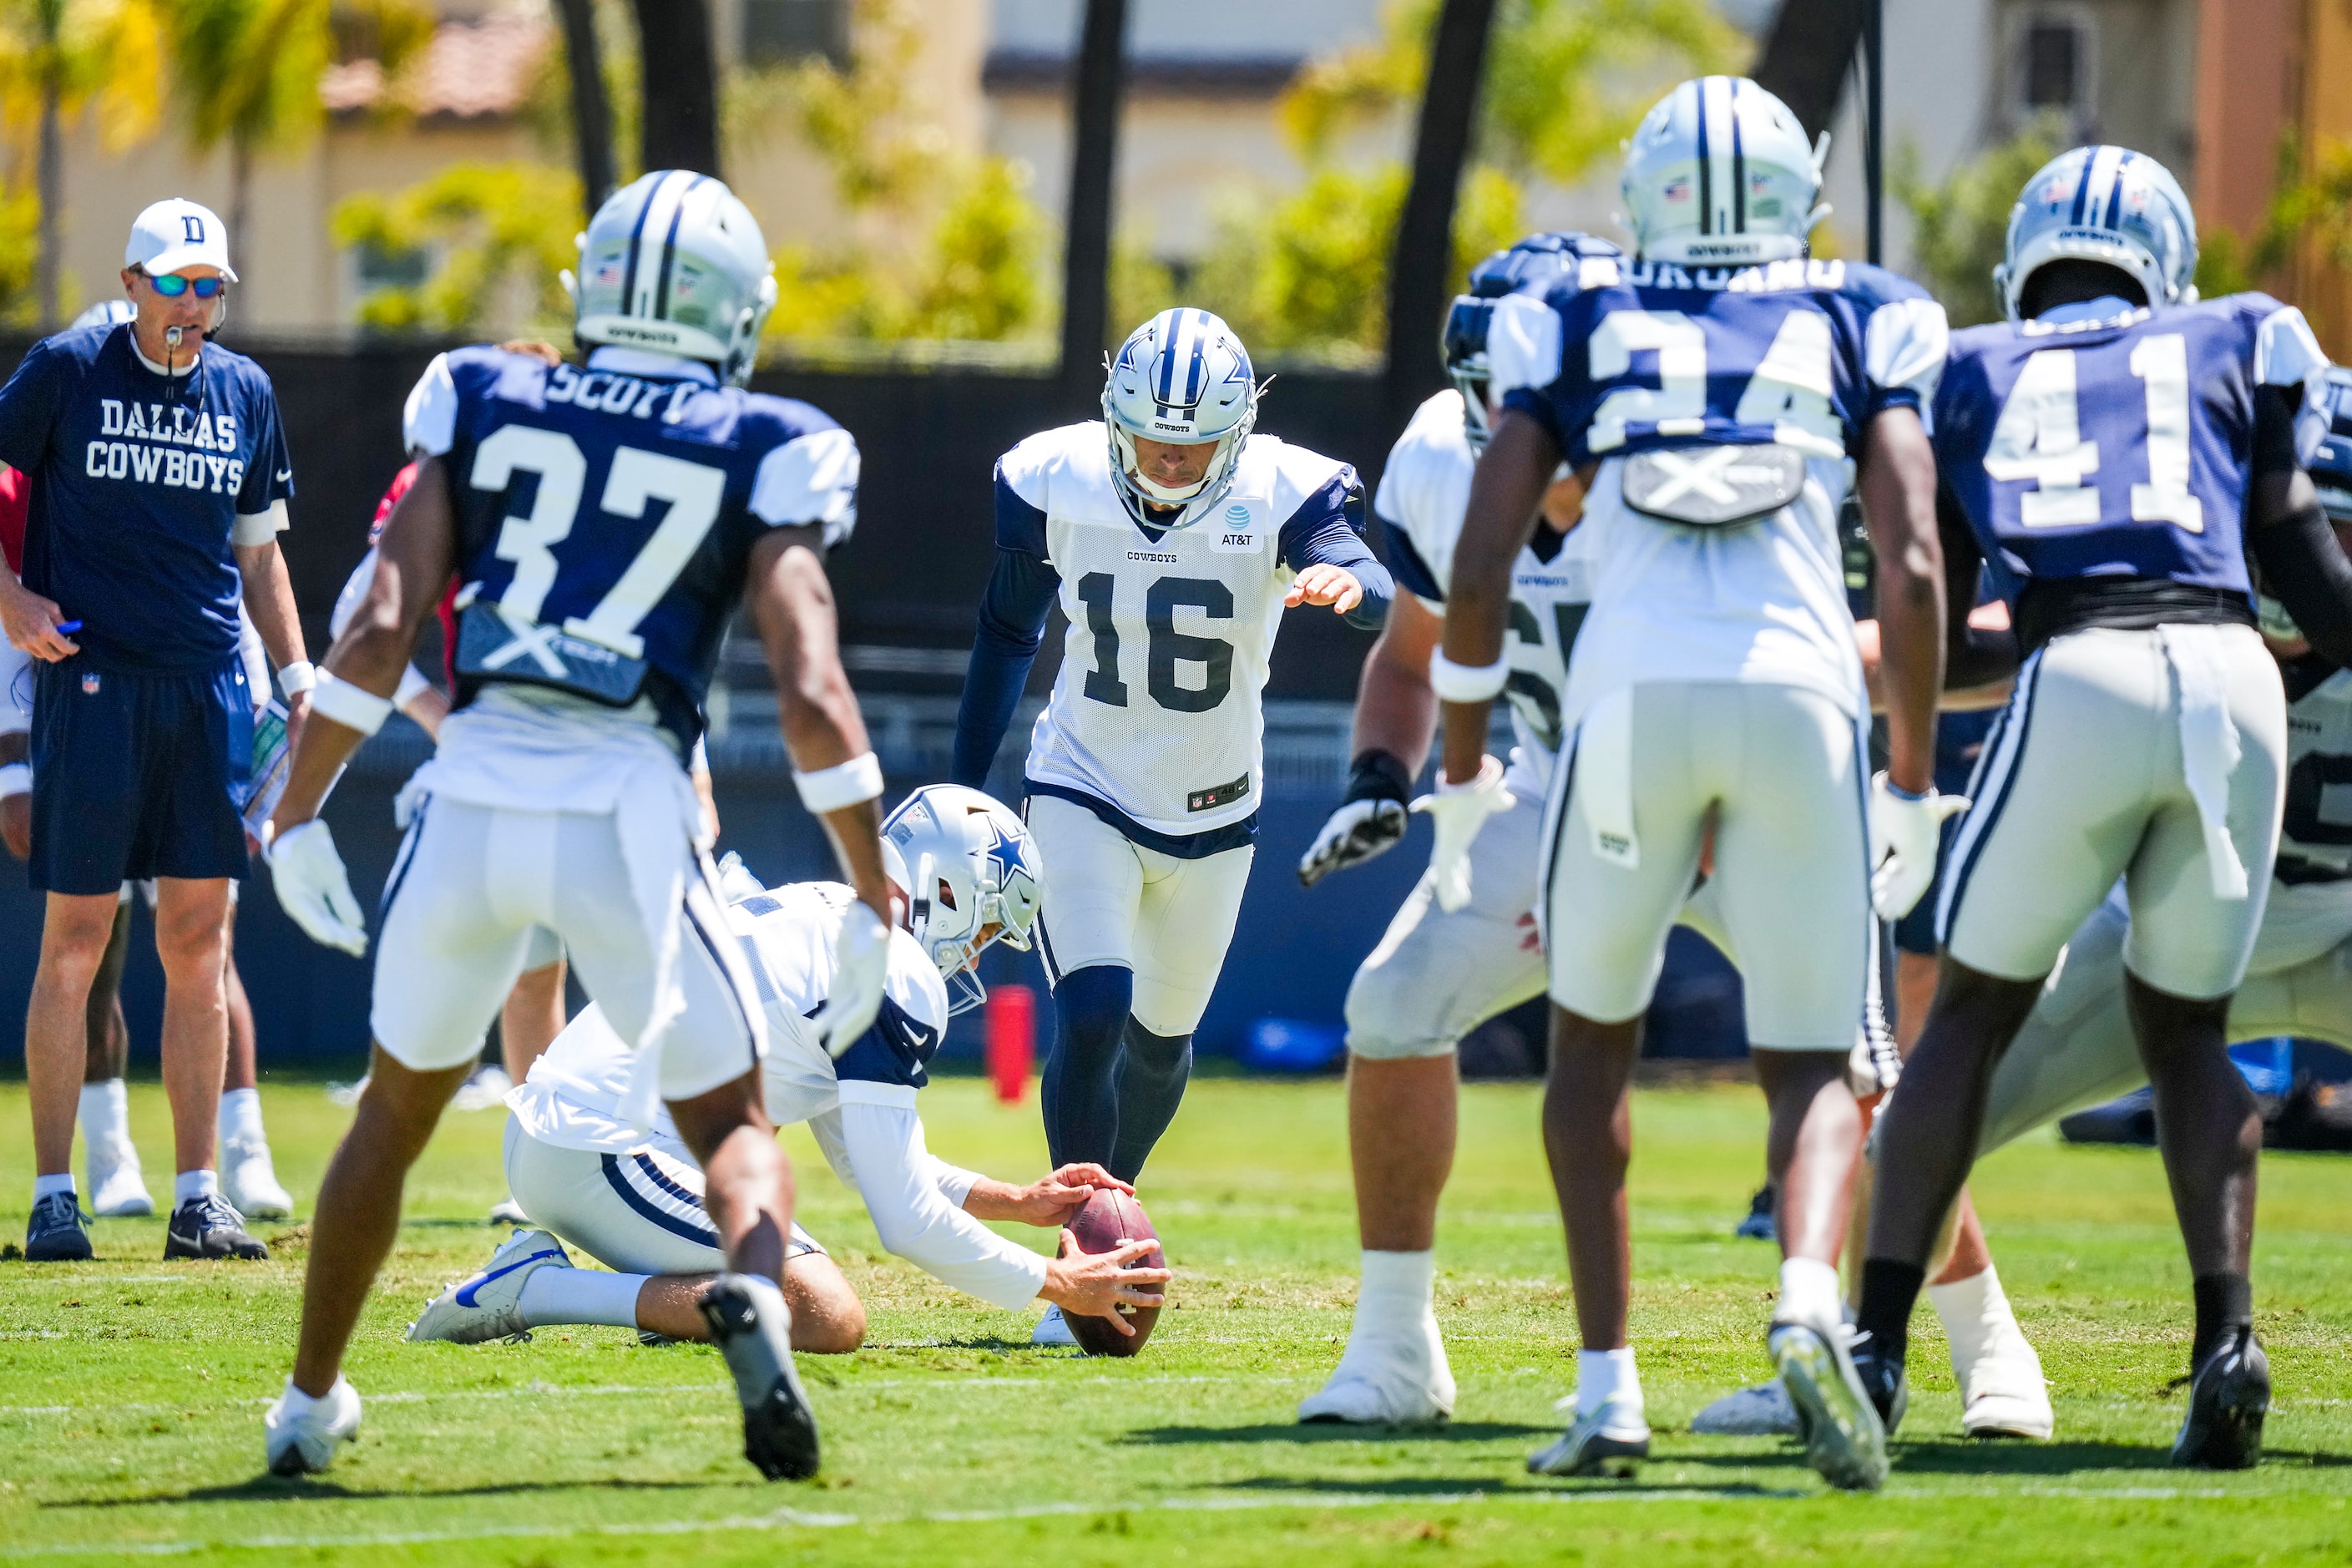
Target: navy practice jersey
{"points": [[1634, 356], [2116, 446], [140, 479], [605, 515]]}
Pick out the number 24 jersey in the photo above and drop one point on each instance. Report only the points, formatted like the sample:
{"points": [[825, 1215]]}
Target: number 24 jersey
{"points": [[1156, 711], [2116, 447]]}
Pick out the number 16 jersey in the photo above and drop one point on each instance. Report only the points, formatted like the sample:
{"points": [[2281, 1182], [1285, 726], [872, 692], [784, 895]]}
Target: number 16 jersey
{"points": [[1156, 711]]}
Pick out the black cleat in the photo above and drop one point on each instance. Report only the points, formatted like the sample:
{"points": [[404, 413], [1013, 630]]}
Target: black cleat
{"points": [[1882, 1379], [59, 1231], [754, 1330], [2228, 1398], [208, 1227], [1757, 1224]]}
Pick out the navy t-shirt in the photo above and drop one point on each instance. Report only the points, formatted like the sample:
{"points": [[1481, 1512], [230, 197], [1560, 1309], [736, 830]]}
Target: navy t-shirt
{"points": [[140, 479]]}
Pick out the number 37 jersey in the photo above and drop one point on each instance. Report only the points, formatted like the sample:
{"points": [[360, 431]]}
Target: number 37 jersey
{"points": [[2116, 447], [605, 515], [1156, 711]]}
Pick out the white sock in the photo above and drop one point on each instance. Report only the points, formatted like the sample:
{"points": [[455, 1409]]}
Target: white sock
{"points": [[49, 1186], [1808, 1293], [554, 1296], [1971, 1308], [106, 1114], [240, 1117], [1397, 1288], [194, 1184], [1607, 1377]]}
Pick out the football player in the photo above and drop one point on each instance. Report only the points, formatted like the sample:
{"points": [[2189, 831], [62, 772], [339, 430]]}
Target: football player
{"points": [[1715, 395], [1174, 539], [605, 520], [635, 1203], [2118, 448], [1436, 974]]}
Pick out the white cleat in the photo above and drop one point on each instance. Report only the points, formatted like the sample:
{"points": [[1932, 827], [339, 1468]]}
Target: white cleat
{"points": [[1392, 1378], [489, 1305], [301, 1434], [118, 1188], [2003, 1393], [1845, 1439], [1613, 1437], [1764, 1411], [250, 1182], [506, 1211], [1053, 1332]]}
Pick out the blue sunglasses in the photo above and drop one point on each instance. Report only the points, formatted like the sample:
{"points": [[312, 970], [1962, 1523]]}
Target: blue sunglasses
{"points": [[171, 284]]}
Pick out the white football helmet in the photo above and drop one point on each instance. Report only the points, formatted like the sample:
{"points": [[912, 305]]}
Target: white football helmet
{"points": [[972, 880], [2108, 205], [1182, 376], [1719, 174], [675, 264]]}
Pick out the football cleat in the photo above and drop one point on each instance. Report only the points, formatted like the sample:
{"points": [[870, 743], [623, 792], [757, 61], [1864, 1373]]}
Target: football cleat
{"points": [[1845, 1439], [118, 1187], [250, 1182], [1053, 1331], [1392, 1377], [489, 1305], [1763, 1410], [208, 1227], [1614, 1434], [506, 1211], [754, 1330], [57, 1232], [1757, 1223], [1883, 1379], [2003, 1393], [300, 1435], [2227, 1399]]}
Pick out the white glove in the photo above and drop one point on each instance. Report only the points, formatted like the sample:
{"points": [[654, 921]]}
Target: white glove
{"points": [[736, 882], [314, 888], [1458, 811], [861, 961], [1905, 834], [1355, 832]]}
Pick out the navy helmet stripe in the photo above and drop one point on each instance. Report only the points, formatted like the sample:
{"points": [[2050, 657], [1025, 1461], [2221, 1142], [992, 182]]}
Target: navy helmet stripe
{"points": [[1196, 367], [1705, 168], [669, 252], [1738, 166], [2083, 186], [1175, 319], [637, 242], [2116, 193]]}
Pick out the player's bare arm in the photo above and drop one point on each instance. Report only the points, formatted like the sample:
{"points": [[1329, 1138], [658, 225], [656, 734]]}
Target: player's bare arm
{"points": [[2302, 563], [1509, 486], [1898, 507], [791, 604]]}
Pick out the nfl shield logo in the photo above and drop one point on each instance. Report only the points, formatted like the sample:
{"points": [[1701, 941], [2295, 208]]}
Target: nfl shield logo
{"points": [[89, 684]]}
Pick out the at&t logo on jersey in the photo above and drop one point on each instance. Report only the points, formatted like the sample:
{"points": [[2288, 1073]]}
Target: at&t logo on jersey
{"points": [[1234, 534], [168, 445]]}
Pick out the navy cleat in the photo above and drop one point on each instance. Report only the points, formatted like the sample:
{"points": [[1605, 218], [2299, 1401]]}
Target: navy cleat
{"points": [[1757, 1224], [754, 1330], [2228, 1398], [58, 1232], [208, 1227], [1883, 1379]]}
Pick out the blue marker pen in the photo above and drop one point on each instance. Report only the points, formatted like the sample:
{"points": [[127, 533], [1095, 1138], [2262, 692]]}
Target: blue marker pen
{"points": [[69, 627]]}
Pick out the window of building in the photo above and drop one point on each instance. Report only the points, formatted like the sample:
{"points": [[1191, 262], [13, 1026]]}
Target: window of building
{"points": [[789, 32], [2051, 68]]}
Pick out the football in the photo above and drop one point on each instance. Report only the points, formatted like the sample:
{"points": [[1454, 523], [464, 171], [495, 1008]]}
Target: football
{"points": [[1111, 1217]]}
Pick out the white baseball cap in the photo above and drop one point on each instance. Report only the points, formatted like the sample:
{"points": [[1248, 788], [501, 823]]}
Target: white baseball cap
{"points": [[176, 233]]}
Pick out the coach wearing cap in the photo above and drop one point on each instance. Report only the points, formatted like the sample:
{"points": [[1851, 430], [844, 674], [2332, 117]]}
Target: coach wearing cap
{"points": [[160, 482]]}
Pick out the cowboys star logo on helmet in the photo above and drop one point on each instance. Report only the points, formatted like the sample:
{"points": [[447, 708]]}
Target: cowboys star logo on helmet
{"points": [[969, 875]]}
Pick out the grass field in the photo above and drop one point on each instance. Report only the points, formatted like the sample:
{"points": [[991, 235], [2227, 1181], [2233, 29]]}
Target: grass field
{"points": [[130, 1391]]}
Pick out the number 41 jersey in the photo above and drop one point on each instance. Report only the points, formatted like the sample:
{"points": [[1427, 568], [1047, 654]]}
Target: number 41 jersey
{"points": [[605, 515], [2116, 447], [1156, 710]]}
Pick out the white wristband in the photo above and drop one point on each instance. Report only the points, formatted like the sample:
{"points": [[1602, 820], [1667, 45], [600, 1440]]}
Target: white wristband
{"points": [[297, 678], [352, 707], [15, 778], [1465, 682], [829, 789]]}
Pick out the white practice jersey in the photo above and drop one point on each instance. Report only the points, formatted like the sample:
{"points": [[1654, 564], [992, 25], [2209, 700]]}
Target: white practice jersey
{"points": [[1633, 359], [1425, 493], [575, 1093], [2316, 830], [1157, 710]]}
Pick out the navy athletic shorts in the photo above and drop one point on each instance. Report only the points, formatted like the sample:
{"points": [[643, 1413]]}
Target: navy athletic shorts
{"points": [[137, 775]]}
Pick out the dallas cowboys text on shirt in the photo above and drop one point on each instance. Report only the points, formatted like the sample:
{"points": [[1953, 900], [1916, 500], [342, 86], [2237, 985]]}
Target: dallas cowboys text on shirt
{"points": [[165, 443]]}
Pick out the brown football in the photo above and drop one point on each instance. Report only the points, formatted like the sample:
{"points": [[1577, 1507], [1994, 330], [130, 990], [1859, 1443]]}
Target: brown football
{"points": [[1111, 1217]]}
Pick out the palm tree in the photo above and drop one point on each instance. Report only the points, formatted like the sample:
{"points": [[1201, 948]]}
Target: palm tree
{"points": [[63, 56], [247, 71]]}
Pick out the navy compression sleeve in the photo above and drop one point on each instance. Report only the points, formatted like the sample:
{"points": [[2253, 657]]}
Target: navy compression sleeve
{"points": [[1338, 545], [1020, 592]]}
